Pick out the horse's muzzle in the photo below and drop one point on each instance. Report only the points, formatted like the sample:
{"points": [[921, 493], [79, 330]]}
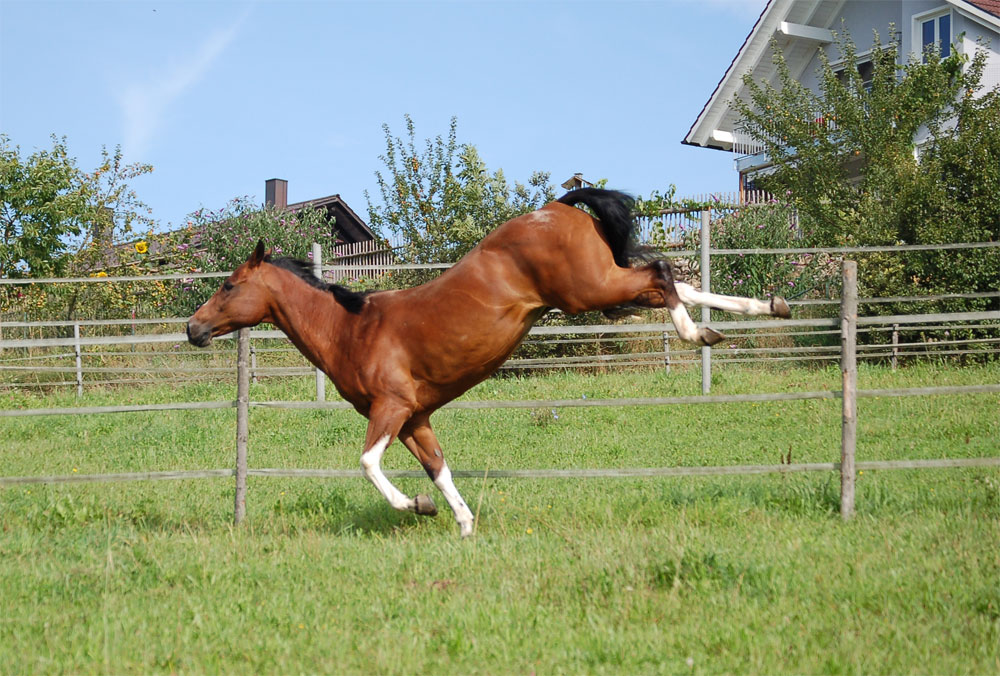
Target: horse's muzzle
{"points": [[198, 336]]}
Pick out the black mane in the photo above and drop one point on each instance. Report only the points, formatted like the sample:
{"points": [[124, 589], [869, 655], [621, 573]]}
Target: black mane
{"points": [[353, 301]]}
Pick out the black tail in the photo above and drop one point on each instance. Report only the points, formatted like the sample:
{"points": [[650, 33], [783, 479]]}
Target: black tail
{"points": [[614, 210]]}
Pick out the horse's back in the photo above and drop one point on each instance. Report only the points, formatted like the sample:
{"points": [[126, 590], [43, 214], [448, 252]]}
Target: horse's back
{"points": [[451, 333], [558, 249]]}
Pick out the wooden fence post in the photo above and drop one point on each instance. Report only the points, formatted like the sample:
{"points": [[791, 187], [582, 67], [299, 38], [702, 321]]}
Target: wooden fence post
{"points": [[253, 364], [895, 346], [242, 421], [317, 253], [706, 287], [79, 360], [849, 372]]}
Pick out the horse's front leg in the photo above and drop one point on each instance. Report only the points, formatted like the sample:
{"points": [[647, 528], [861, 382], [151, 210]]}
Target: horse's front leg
{"points": [[384, 423]]}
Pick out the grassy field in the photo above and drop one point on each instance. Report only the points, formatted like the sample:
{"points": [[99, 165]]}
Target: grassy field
{"points": [[670, 575]]}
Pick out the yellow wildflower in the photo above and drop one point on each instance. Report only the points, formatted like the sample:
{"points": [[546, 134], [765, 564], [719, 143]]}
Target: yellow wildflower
{"points": [[141, 247]]}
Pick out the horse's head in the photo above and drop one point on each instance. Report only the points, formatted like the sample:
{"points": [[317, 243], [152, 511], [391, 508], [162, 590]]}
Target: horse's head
{"points": [[241, 301]]}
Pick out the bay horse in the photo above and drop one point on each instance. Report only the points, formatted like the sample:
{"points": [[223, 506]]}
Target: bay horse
{"points": [[398, 356]]}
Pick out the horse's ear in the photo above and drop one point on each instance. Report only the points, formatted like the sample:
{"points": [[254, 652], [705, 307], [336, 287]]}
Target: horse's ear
{"points": [[258, 255]]}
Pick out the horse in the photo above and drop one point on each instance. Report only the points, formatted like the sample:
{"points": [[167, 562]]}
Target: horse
{"points": [[398, 356]]}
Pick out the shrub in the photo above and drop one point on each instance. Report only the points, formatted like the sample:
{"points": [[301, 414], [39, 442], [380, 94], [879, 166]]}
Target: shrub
{"points": [[219, 241], [763, 226]]}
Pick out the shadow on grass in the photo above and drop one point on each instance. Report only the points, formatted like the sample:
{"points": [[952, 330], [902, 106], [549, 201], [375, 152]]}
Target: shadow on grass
{"points": [[326, 509]]}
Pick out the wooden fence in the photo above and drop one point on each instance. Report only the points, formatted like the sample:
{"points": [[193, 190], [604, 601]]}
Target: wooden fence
{"points": [[366, 259], [847, 324]]}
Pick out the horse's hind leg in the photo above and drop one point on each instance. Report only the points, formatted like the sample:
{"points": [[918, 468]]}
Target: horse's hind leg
{"points": [[418, 436], [383, 426], [599, 288], [668, 295], [776, 306]]}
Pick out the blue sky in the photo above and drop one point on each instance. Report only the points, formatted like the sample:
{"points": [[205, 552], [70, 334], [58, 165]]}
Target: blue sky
{"points": [[220, 96]]}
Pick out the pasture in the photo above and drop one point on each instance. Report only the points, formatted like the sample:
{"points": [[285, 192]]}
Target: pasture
{"points": [[656, 575]]}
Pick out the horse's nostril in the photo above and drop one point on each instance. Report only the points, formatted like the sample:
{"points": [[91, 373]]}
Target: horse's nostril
{"points": [[198, 336]]}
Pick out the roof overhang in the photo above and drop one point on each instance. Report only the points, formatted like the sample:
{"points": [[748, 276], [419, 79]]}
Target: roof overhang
{"points": [[788, 21], [977, 13]]}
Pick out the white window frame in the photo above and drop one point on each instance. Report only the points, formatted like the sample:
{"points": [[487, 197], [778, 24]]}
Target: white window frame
{"points": [[932, 15], [861, 58]]}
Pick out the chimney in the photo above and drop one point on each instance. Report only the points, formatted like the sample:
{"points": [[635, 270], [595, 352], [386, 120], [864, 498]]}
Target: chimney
{"points": [[276, 193]]}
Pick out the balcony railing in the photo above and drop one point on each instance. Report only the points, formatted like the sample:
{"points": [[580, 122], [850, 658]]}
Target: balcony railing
{"points": [[746, 145]]}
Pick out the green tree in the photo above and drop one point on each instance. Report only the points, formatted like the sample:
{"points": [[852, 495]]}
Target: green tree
{"points": [[56, 219], [846, 158], [43, 205], [441, 200], [55, 215], [114, 213]]}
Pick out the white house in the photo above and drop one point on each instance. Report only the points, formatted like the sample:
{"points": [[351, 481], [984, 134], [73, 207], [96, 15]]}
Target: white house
{"points": [[804, 27]]}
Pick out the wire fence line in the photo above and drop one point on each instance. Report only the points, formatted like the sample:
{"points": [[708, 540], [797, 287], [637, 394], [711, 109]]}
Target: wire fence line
{"points": [[69, 323], [595, 473], [178, 337], [848, 325], [621, 336], [520, 404]]}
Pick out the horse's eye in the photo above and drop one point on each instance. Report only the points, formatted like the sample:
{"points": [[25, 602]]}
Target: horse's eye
{"points": [[227, 286]]}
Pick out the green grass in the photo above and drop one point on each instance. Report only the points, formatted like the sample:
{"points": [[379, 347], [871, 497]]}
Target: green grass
{"points": [[695, 575]]}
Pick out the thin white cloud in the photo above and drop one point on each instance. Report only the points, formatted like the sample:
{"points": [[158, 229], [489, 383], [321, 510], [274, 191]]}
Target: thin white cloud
{"points": [[143, 104]]}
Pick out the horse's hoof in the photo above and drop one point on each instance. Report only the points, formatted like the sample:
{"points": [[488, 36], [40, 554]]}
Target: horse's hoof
{"points": [[425, 506], [465, 529], [779, 308], [710, 337]]}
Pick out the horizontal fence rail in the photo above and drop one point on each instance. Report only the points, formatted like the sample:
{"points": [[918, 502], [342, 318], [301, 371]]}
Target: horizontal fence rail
{"points": [[528, 404], [583, 473], [638, 344], [848, 326]]}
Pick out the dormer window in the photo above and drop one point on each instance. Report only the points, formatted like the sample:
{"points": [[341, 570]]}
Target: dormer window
{"points": [[934, 33]]}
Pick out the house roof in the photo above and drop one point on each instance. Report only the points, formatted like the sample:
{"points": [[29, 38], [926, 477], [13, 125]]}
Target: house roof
{"points": [[990, 6], [797, 26], [348, 223]]}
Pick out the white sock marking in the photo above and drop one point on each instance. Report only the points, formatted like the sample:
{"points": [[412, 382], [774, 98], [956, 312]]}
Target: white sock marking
{"points": [[744, 306], [463, 515], [686, 328], [371, 463]]}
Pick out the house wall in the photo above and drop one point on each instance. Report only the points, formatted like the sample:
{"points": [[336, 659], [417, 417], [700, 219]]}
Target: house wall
{"points": [[858, 18], [861, 17], [974, 30]]}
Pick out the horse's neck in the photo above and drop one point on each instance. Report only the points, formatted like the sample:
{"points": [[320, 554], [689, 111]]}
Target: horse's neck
{"points": [[310, 317]]}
